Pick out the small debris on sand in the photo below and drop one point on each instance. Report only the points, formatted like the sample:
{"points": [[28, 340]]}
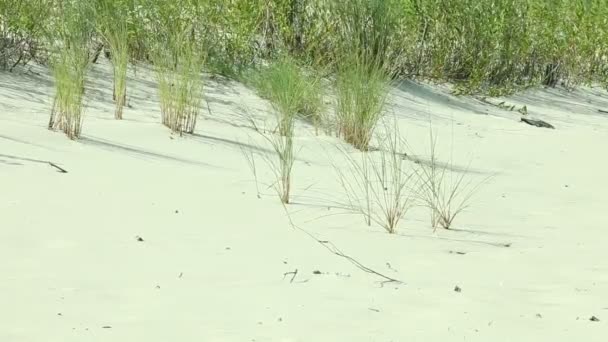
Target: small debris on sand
{"points": [[537, 123]]}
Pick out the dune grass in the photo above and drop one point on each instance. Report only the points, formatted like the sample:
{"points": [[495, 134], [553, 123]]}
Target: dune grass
{"points": [[443, 190], [363, 62], [112, 25], [70, 62], [293, 91], [178, 63], [280, 163], [292, 94], [378, 184], [509, 45], [180, 87], [361, 91]]}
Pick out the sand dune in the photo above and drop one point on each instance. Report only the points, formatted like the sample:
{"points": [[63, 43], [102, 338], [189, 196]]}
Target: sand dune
{"points": [[529, 255]]}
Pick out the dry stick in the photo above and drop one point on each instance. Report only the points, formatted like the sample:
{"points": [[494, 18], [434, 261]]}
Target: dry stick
{"points": [[603, 111], [53, 111], [336, 251], [57, 167], [17, 62], [251, 161], [294, 274], [62, 170], [208, 108]]}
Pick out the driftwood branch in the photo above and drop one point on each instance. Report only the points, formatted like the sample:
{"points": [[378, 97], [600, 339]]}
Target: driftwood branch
{"points": [[336, 251]]}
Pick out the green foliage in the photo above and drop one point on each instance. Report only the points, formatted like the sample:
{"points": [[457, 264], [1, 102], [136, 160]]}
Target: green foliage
{"points": [[378, 184], [506, 44], [483, 45], [361, 89], [229, 28], [369, 29], [70, 61], [178, 62], [22, 24], [292, 91], [113, 26]]}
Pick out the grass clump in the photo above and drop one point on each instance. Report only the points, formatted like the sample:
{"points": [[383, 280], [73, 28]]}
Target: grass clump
{"points": [[178, 62], [363, 59], [378, 185], [361, 90], [291, 93], [294, 93], [112, 24], [443, 190], [70, 62]]}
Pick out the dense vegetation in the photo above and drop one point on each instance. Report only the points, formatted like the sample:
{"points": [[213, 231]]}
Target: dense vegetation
{"points": [[480, 44]]}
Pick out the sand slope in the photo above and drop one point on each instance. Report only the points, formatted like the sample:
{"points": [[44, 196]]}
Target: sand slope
{"points": [[212, 263]]}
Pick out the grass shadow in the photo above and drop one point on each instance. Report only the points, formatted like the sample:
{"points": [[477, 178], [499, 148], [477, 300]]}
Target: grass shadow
{"points": [[138, 152]]}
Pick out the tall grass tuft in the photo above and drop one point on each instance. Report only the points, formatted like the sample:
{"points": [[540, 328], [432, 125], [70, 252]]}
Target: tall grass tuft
{"points": [[444, 191], [112, 24], [364, 61], [70, 62], [178, 62], [361, 89], [291, 93], [378, 185]]}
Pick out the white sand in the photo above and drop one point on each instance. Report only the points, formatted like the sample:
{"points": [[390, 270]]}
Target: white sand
{"points": [[70, 264]]}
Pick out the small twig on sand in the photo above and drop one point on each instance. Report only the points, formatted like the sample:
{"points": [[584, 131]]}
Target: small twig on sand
{"points": [[603, 111], [336, 251], [62, 170], [209, 109], [58, 167], [294, 274], [538, 123]]}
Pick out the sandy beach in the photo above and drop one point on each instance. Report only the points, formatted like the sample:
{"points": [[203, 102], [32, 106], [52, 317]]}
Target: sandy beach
{"points": [[149, 236]]}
